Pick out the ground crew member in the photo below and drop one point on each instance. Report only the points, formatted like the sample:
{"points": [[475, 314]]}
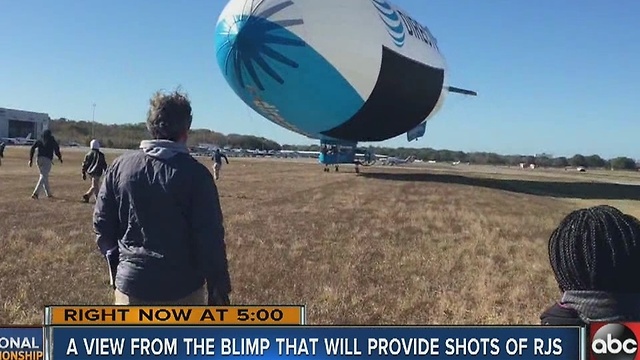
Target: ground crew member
{"points": [[217, 163], [1, 152], [94, 165], [47, 146]]}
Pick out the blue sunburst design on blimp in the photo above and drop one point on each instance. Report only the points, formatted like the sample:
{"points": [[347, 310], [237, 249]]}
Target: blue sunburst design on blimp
{"points": [[392, 20], [256, 42]]}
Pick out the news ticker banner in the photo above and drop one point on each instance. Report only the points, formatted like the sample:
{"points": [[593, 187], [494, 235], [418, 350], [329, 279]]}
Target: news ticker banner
{"points": [[21, 343], [174, 315], [323, 342], [132, 332]]}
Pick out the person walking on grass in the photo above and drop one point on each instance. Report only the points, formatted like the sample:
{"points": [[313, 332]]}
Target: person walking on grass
{"points": [[595, 257], [1, 151], [217, 163], [47, 146], [158, 218], [94, 165]]}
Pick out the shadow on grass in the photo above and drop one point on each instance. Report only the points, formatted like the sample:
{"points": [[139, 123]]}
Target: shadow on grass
{"points": [[576, 190]]}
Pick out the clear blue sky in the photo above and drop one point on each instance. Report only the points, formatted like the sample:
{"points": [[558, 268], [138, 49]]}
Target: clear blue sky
{"points": [[552, 76]]}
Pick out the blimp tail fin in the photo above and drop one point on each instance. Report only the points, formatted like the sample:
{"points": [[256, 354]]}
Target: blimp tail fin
{"points": [[461, 91], [417, 132]]}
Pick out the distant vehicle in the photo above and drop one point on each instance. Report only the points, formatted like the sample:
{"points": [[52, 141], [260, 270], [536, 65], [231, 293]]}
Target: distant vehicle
{"points": [[28, 140], [396, 161], [581, 169], [73, 144]]}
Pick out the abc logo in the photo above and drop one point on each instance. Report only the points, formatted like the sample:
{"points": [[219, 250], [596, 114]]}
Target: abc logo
{"points": [[614, 342]]}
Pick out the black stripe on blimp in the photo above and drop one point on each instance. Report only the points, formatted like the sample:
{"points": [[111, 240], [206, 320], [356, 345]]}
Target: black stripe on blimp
{"points": [[404, 95]]}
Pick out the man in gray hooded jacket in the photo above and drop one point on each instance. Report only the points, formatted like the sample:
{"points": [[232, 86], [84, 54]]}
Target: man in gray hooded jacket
{"points": [[158, 218]]}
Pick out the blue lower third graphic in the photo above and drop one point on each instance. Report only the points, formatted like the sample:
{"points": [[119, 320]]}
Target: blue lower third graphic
{"points": [[318, 342], [266, 63], [21, 344]]}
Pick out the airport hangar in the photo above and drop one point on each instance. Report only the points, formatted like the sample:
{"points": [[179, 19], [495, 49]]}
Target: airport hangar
{"points": [[19, 123]]}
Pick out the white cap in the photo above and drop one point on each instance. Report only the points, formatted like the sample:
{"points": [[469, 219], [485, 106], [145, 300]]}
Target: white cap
{"points": [[95, 145]]}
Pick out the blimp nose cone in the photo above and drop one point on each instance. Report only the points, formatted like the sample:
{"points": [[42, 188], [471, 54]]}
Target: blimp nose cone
{"points": [[242, 40], [229, 33], [230, 42], [234, 28], [244, 44], [233, 33]]}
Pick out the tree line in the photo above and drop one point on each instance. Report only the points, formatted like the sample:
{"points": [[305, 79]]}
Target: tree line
{"points": [[488, 158], [128, 136]]}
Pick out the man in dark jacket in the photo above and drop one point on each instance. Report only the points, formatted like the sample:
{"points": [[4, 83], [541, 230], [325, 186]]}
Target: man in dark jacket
{"points": [[159, 209], [1, 152], [217, 163], [94, 165], [595, 257], [47, 147]]}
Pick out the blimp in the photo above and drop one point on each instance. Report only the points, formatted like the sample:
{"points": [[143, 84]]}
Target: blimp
{"points": [[339, 71]]}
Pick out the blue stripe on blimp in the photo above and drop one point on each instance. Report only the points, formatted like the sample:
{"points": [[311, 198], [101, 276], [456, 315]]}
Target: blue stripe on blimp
{"points": [[281, 77]]}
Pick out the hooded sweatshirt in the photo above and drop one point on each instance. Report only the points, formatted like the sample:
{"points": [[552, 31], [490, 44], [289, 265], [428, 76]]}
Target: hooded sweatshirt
{"points": [[94, 162], [159, 208], [586, 306]]}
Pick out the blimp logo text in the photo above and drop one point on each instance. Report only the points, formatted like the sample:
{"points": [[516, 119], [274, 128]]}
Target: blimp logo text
{"points": [[392, 20], [399, 24]]}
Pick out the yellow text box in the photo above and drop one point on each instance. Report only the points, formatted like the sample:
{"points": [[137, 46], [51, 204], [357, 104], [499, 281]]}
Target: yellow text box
{"points": [[176, 315]]}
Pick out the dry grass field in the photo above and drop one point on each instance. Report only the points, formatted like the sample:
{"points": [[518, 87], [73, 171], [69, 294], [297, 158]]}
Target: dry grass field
{"points": [[392, 246]]}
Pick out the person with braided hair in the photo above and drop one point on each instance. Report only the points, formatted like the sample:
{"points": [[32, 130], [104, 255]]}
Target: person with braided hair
{"points": [[595, 257]]}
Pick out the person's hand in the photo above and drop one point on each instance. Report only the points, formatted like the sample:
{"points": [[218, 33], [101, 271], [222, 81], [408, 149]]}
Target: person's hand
{"points": [[217, 299], [84, 176], [30, 163]]}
